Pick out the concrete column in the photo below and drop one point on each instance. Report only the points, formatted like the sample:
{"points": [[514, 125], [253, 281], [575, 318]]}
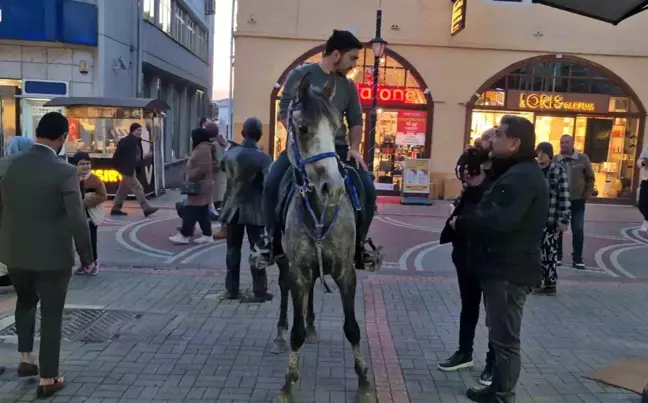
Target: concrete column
{"points": [[183, 129], [169, 123]]}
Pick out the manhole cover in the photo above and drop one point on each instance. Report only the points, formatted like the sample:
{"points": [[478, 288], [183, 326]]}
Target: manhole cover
{"points": [[100, 325], [74, 321]]}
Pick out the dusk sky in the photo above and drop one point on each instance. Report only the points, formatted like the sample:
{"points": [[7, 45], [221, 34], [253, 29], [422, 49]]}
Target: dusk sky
{"points": [[222, 34]]}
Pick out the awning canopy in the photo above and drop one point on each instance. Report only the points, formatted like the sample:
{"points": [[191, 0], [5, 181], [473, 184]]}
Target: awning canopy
{"points": [[134, 103], [612, 11]]}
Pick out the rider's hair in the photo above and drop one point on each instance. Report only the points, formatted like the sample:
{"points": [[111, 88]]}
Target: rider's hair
{"points": [[342, 41]]}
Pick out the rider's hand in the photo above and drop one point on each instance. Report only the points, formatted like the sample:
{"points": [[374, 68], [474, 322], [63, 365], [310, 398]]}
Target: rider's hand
{"points": [[357, 158]]}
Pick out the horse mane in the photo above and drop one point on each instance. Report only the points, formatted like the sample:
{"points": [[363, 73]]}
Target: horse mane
{"points": [[317, 106]]}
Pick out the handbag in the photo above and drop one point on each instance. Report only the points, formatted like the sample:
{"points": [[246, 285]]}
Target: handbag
{"points": [[190, 188], [97, 213]]}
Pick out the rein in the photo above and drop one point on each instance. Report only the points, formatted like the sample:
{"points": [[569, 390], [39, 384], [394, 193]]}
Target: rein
{"points": [[319, 233]]}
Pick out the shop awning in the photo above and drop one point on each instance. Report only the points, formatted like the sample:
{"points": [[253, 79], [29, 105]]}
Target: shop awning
{"points": [[135, 103], [612, 11]]}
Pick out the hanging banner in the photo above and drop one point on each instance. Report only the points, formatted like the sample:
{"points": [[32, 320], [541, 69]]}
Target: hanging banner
{"points": [[416, 176], [410, 128]]}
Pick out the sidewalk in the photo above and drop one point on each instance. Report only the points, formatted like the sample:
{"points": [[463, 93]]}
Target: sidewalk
{"points": [[168, 336]]}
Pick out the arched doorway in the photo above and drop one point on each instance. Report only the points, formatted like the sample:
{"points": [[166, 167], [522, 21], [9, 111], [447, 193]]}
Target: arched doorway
{"points": [[404, 116], [570, 95]]}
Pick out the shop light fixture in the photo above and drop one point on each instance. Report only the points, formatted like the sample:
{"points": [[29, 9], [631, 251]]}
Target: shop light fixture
{"points": [[378, 46]]}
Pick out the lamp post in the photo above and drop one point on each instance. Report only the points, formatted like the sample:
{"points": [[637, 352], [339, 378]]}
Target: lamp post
{"points": [[378, 45]]}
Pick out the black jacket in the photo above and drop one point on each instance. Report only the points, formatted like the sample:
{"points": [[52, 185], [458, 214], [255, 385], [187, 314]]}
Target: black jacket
{"points": [[505, 229], [246, 167], [125, 157]]}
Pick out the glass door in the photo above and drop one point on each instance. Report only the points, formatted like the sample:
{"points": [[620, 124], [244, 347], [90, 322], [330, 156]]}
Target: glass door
{"points": [[551, 128]]}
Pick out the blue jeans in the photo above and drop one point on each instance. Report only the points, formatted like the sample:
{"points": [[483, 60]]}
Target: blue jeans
{"points": [[578, 231], [273, 182]]}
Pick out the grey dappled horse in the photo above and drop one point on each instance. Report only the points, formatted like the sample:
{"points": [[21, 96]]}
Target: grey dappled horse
{"points": [[319, 233]]}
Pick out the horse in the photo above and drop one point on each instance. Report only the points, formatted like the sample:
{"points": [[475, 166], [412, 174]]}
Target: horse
{"points": [[319, 232]]}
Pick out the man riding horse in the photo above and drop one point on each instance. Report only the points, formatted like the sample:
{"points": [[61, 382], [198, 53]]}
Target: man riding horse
{"points": [[340, 57]]}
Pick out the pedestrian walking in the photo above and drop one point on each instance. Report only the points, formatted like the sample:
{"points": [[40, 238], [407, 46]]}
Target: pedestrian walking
{"points": [[42, 214], [558, 221], [581, 187], [94, 194], [246, 167], [504, 231], [218, 144], [127, 160], [198, 189], [642, 203], [16, 145], [470, 288]]}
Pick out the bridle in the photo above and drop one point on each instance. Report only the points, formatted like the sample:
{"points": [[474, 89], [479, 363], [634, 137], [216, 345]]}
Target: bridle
{"points": [[306, 186]]}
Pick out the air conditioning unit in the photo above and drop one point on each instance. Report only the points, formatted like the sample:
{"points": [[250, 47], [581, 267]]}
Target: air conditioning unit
{"points": [[210, 7], [509, 2]]}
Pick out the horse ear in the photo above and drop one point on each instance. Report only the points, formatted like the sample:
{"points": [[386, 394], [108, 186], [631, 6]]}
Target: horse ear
{"points": [[329, 87], [304, 86]]}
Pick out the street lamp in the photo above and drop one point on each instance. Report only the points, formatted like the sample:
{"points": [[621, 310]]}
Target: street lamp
{"points": [[378, 45]]}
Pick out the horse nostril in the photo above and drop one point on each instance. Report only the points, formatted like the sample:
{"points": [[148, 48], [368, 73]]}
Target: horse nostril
{"points": [[325, 189]]}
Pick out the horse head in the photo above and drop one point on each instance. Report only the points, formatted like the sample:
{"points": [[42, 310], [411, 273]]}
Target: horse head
{"points": [[312, 122]]}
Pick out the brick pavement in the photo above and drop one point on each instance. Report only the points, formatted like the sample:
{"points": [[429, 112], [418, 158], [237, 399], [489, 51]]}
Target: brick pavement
{"points": [[218, 351]]}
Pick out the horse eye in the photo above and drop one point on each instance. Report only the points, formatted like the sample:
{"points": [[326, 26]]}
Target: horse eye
{"points": [[303, 129]]}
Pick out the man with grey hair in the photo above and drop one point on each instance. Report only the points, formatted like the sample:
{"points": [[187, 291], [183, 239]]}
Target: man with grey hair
{"points": [[246, 167], [581, 187]]}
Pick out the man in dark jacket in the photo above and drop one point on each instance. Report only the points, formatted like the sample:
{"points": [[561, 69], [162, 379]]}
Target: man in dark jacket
{"points": [[246, 167], [469, 282], [504, 234], [127, 160]]}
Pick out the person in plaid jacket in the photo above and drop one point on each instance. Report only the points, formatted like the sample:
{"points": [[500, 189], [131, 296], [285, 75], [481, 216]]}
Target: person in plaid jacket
{"points": [[558, 220]]}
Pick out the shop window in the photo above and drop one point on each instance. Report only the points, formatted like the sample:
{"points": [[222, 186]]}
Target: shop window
{"points": [[492, 98], [579, 85]]}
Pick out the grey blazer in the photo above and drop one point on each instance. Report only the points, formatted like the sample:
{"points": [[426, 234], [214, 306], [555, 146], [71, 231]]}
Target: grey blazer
{"points": [[246, 167], [41, 212]]}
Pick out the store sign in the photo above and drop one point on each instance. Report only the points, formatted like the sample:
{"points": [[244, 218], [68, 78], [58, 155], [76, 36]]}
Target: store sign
{"points": [[410, 128], [416, 176], [390, 95], [458, 22], [568, 102], [107, 175]]}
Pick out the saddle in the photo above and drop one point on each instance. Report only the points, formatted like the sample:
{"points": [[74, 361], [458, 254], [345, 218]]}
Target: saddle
{"points": [[354, 189]]}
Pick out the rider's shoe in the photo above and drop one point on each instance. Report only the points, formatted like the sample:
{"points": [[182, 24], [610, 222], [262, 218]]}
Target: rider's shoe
{"points": [[368, 256], [261, 253]]}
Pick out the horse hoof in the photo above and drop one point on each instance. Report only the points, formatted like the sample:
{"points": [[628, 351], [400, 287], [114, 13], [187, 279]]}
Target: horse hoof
{"points": [[279, 346], [284, 397], [366, 394], [311, 336]]}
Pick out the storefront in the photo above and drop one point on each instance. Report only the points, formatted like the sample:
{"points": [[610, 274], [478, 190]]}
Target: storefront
{"points": [[404, 128], [569, 95]]}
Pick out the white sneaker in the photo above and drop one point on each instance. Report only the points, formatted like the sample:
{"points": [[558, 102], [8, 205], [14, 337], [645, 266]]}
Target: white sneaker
{"points": [[644, 227], [179, 239], [204, 239]]}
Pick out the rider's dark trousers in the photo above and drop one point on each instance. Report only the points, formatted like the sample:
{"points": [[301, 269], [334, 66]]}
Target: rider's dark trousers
{"points": [[276, 174]]}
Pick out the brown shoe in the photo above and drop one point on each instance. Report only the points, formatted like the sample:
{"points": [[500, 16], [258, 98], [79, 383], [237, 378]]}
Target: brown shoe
{"points": [[26, 369], [150, 210], [45, 391]]}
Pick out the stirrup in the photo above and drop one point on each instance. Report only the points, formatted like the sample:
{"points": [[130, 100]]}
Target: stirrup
{"points": [[372, 258], [261, 258]]}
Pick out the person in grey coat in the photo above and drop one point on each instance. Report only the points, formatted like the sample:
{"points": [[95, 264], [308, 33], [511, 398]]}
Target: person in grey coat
{"points": [[41, 217], [246, 167]]}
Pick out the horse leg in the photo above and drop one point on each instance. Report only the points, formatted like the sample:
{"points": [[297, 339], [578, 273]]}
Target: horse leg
{"points": [[279, 345], [311, 332], [297, 338], [347, 286]]}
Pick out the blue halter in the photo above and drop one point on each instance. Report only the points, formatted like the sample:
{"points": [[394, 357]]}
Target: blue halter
{"points": [[306, 186]]}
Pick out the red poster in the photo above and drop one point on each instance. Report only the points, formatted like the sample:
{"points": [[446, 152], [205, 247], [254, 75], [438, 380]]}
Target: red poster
{"points": [[410, 128], [73, 130]]}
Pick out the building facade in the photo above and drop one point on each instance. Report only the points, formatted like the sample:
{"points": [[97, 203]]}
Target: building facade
{"points": [[106, 48], [438, 91]]}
